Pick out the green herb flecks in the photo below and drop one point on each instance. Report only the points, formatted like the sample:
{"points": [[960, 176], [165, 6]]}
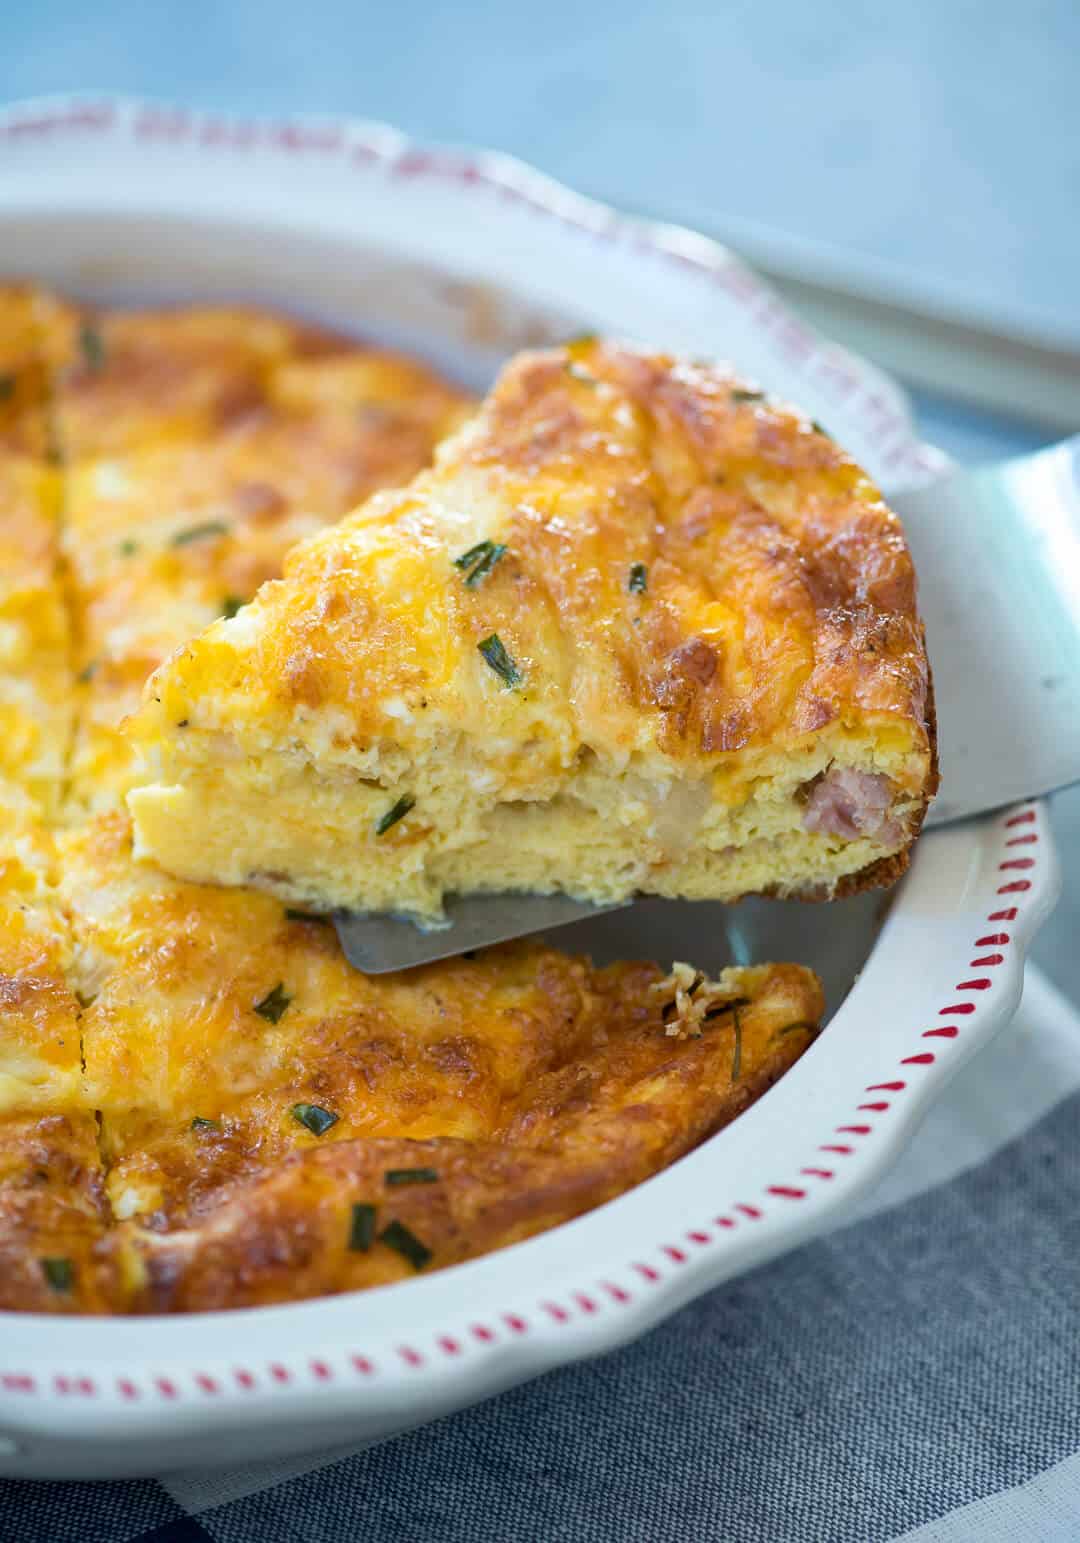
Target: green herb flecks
{"points": [[478, 561], [398, 1237], [92, 348], [128, 548], [201, 1123], [203, 532], [274, 1003], [794, 1028], [638, 581], [230, 605], [819, 428], [86, 999], [741, 394], [314, 1118], [500, 661], [395, 813], [87, 673], [60, 1273], [411, 1176], [7, 387], [362, 1228]]}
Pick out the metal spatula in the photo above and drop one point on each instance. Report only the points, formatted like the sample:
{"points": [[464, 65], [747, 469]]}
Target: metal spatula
{"points": [[998, 558]]}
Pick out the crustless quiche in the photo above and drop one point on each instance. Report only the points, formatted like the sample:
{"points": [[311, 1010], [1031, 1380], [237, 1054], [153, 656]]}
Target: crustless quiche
{"points": [[202, 1105], [638, 630]]}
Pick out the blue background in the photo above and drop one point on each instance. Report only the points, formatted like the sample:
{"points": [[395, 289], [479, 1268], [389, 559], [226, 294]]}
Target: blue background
{"points": [[937, 139]]}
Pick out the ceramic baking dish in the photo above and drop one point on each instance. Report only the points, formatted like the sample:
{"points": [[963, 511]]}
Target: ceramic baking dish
{"points": [[464, 257]]}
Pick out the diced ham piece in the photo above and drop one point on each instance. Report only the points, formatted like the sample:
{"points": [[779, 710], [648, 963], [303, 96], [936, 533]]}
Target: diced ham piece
{"points": [[850, 803]]}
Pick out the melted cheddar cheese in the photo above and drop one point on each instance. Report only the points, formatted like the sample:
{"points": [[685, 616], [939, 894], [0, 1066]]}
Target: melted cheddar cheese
{"points": [[637, 630], [198, 1095], [201, 446], [530, 1084]]}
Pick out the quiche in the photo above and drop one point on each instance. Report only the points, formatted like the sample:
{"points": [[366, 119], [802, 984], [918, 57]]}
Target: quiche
{"points": [[276, 1125], [35, 698], [638, 630], [202, 1104], [54, 1214], [200, 446]]}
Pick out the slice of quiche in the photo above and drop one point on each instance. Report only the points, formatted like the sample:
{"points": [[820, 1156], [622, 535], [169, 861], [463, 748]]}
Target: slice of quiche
{"points": [[639, 630]]}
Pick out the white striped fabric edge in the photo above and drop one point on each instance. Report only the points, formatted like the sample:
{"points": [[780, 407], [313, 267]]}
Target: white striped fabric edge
{"points": [[1044, 1510]]}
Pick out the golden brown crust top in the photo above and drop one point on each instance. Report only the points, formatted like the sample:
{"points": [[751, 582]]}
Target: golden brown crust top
{"points": [[56, 1251], [531, 1084], [570, 1097], [689, 568], [781, 591], [199, 446]]}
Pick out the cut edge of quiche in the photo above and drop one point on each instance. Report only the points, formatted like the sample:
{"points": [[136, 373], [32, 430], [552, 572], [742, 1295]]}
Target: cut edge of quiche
{"points": [[640, 630]]}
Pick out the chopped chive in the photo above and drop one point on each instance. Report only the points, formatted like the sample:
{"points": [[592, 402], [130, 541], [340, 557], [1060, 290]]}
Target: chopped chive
{"points": [[128, 548], [274, 1003], [305, 916], [793, 1028], [499, 660], [406, 1243], [92, 347], [7, 387], [314, 1117], [478, 561], [200, 1123], [230, 605], [736, 1055], [60, 1273], [473, 555], [638, 581], [362, 1228], [741, 394], [411, 1176], [395, 813], [86, 998], [819, 428], [200, 532], [485, 565], [86, 674]]}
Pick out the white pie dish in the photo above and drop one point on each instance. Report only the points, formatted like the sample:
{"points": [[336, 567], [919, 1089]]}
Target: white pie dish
{"points": [[465, 257]]}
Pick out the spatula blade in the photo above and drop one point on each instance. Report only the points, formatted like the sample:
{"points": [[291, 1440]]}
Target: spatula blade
{"points": [[378, 942], [997, 552], [998, 558]]}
